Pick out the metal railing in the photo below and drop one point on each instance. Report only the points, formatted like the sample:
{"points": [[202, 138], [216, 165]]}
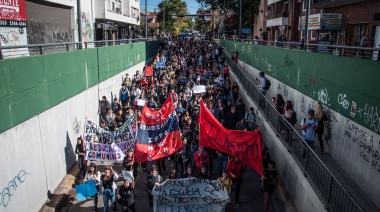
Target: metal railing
{"points": [[101, 43], [37, 49], [335, 195], [346, 51]]}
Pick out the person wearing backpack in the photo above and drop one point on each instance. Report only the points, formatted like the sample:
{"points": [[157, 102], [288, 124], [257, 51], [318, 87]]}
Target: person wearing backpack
{"points": [[263, 87], [309, 126], [250, 118]]}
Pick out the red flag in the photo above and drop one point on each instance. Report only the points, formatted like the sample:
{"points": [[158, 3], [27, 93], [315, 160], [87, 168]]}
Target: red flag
{"points": [[148, 71], [159, 134], [245, 145]]}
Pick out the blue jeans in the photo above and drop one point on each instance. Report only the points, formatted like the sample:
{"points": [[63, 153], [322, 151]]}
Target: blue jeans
{"points": [[311, 145], [222, 161], [96, 198], [108, 195]]}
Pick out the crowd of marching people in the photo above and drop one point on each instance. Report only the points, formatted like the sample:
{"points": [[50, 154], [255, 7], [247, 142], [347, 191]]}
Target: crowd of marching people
{"points": [[188, 62]]}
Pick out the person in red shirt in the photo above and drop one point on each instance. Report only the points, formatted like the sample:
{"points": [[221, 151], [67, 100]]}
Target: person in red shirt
{"points": [[235, 170], [201, 158]]}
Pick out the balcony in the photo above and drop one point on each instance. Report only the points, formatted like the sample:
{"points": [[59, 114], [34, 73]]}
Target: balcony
{"points": [[319, 4], [273, 1], [281, 21], [117, 13]]}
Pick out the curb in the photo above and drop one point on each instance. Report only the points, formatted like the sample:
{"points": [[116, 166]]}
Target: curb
{"points": [[61, 193], [285, 198]]}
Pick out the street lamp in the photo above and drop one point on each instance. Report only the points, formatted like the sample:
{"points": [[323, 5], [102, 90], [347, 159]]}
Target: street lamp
{"points": [[240, 22]]}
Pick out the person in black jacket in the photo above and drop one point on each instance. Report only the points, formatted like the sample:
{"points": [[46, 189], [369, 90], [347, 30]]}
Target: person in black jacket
{"points": [[153, 179], [232, 118], [270, 183], [125, 196], [80, 150]]}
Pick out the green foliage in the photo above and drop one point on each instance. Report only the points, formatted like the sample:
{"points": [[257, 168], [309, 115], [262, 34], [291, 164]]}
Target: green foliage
{"points": [[170, 7], [249, 10]]}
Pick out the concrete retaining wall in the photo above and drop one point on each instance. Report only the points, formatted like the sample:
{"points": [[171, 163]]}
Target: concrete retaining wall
{"points": [[298, 186], [36, 154]]}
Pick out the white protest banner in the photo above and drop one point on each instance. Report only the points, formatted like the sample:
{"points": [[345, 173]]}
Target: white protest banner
{"points": [[199, 89], [109, 145], [127, 175], [140, 102], [190, 194]]}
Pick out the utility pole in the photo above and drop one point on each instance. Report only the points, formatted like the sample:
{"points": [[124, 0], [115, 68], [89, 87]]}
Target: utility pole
{"points": [[79, 14], [306, 40], [146, 18], [240, 21]]}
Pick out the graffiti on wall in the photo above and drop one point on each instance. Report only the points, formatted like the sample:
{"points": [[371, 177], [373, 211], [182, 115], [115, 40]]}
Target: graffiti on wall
{"points": [[368, 147], [323, 97], [76, 126], [343, 101], [40, 33], [86, 27], [7, 192], [369, 116], [332, 118], [13, 36], [288, 62]]}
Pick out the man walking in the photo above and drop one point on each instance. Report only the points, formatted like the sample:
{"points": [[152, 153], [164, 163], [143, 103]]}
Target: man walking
{"points": [[308, 126]]}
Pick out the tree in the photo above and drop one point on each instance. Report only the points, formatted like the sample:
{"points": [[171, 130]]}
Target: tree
{"points": [[170, 7], [249, 10]]}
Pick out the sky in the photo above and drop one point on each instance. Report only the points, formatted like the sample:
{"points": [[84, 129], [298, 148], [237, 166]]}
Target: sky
{"points": [[192, 5]]}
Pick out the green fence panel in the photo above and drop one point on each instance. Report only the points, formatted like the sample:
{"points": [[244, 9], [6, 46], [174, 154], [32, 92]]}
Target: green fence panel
{"points": [[31, 85], [346, 85]]}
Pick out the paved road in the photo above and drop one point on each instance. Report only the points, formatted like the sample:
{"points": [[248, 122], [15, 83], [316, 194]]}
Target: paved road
{"points": [[251, 198]]}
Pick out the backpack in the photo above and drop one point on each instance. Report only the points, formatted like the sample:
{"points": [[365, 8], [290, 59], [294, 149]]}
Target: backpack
{"points": [[294, 118], [314, 119], [267, 84]]}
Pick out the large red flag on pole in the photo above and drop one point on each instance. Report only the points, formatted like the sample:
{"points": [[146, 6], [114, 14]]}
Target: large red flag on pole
{"points": [[245, 145], [159, 134]]}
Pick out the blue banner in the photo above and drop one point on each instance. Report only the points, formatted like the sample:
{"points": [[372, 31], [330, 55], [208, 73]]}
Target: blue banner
{"points": [[86, 190], [160, 64]]}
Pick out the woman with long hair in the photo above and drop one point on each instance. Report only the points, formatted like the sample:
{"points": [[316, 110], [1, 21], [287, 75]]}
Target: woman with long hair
{"points": [[109, 187], [93, 174], [321, 116], [80, 149], [288, 111]]}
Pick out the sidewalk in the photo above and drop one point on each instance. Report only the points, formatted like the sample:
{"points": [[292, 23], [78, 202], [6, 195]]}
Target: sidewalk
{"points": [[251, 197]]}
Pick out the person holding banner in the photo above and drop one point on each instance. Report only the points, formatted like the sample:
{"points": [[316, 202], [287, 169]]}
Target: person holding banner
{"points": [[183, 157], [227, 182], [93, 174], [235, 170], [80, 150], [153, 179], [201, 158], [129, 164], [109, 187]]}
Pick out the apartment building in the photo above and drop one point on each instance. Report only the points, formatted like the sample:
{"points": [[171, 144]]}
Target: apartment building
{"points": [[338, 22], [116, 19]]}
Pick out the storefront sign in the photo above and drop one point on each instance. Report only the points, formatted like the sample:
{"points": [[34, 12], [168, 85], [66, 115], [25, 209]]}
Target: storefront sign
{"points": [[322, 21], [13, 10]]}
